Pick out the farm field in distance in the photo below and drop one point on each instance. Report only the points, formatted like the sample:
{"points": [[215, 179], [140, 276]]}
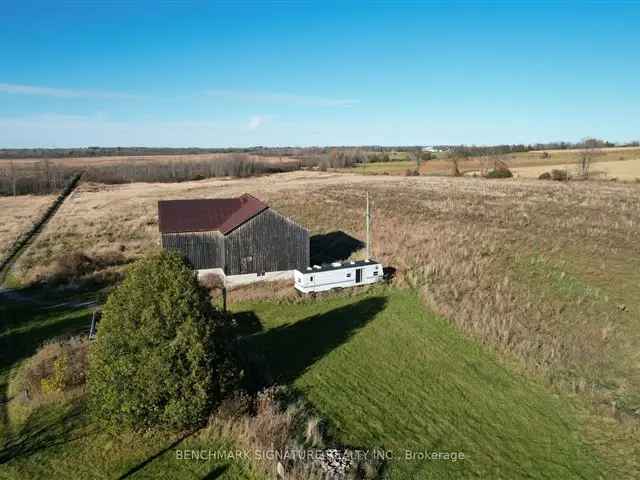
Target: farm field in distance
{"points": [[626, 170], [519, 290], [616, 162]]}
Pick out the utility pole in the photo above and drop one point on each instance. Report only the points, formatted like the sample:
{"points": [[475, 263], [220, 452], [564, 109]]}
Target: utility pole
{"points": [[368, 220]]}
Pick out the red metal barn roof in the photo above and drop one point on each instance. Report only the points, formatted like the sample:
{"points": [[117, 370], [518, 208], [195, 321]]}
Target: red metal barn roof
{"points": [[205, 215]]}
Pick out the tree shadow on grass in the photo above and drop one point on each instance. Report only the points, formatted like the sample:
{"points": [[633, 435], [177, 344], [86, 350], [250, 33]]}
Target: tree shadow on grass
{"points": [[146, 462], [246, 323], [332, 247], [44, 429], [23, 343], [282, 354], [215, 473]]}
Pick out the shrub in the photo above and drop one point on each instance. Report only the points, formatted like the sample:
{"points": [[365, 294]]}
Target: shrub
{"points": [[559, 175], [499, 173], [412, 173], [58, 366], [500, 169], [55, 383], [163, 356], [545, 176]]}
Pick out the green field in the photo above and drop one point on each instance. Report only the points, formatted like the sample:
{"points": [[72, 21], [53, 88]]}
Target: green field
{"points": [[380, 368], [394, 167], [389, 374]]}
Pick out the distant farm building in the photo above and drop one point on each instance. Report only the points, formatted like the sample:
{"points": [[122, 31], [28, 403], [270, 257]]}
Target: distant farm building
{"points": [[233, 236], [433, 149]]}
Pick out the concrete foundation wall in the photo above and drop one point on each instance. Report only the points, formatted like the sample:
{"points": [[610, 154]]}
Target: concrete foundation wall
{"points": [[231, 281]]}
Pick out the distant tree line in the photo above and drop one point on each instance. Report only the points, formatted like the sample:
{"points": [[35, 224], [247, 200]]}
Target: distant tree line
{"points": [[18, 177], [41, 178], [474, 151], [236, 165], [47, 176], [355, 152], [16, 153]]}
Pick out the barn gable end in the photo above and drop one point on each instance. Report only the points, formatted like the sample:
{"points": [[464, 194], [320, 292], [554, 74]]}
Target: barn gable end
{"points": [[238, 235], [269, 242]]}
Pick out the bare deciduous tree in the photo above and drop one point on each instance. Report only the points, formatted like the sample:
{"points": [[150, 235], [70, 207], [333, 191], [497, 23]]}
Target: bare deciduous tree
{"points": [[454, 157], [590, 151]]}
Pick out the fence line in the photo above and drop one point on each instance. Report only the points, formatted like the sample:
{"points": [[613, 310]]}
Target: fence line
{"points": [[23, 240]]}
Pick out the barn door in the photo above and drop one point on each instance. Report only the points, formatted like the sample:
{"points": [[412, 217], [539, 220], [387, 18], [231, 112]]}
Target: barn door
{"points": [[358, 275]]}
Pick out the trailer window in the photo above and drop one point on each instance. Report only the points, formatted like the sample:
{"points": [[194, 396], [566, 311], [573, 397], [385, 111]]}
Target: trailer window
{"points": [[311, 279], [348, 275], [375, 273]]}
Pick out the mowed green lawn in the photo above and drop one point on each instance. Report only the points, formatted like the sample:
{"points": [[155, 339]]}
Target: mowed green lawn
{"points": [[59, 441], [389, 374]]}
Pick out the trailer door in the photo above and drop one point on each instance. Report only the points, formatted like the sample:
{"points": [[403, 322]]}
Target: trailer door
{"points": [[358, 275]]}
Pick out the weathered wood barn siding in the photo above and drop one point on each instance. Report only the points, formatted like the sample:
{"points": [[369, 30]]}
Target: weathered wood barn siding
{"points": [[201, 249], [268, 242]]}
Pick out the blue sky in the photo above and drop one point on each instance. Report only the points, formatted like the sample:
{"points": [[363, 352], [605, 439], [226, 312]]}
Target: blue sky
{"points": [[291, 73]]}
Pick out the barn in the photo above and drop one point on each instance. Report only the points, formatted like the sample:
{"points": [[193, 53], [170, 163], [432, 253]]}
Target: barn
{"points": [[234, 236]]}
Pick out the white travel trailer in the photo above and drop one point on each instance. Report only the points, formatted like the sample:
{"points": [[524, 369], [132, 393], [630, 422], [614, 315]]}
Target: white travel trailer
{"points": [[337, 275]]}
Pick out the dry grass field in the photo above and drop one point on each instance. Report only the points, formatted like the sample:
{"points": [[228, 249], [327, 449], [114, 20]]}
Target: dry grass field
{"points": [[618, 162], [17, 215], [625, 170], [546, 274]]}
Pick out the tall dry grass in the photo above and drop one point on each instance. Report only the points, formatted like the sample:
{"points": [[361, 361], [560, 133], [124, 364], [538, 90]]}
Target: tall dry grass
{"points": [[464, 243], [17, 216], [275, 428]]}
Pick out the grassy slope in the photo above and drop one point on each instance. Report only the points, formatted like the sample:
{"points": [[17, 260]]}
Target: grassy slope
{"points": [[57, 440], [390, 374], [605, 291]]}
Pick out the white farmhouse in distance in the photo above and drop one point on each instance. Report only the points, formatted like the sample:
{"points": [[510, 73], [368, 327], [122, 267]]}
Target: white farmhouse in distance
{"points": [[433, 149]]}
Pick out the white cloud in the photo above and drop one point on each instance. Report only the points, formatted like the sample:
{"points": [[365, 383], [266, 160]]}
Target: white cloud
{"points": [[257, 121], [282, 98], [61, 130], [240, 96], [16, 89]]}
